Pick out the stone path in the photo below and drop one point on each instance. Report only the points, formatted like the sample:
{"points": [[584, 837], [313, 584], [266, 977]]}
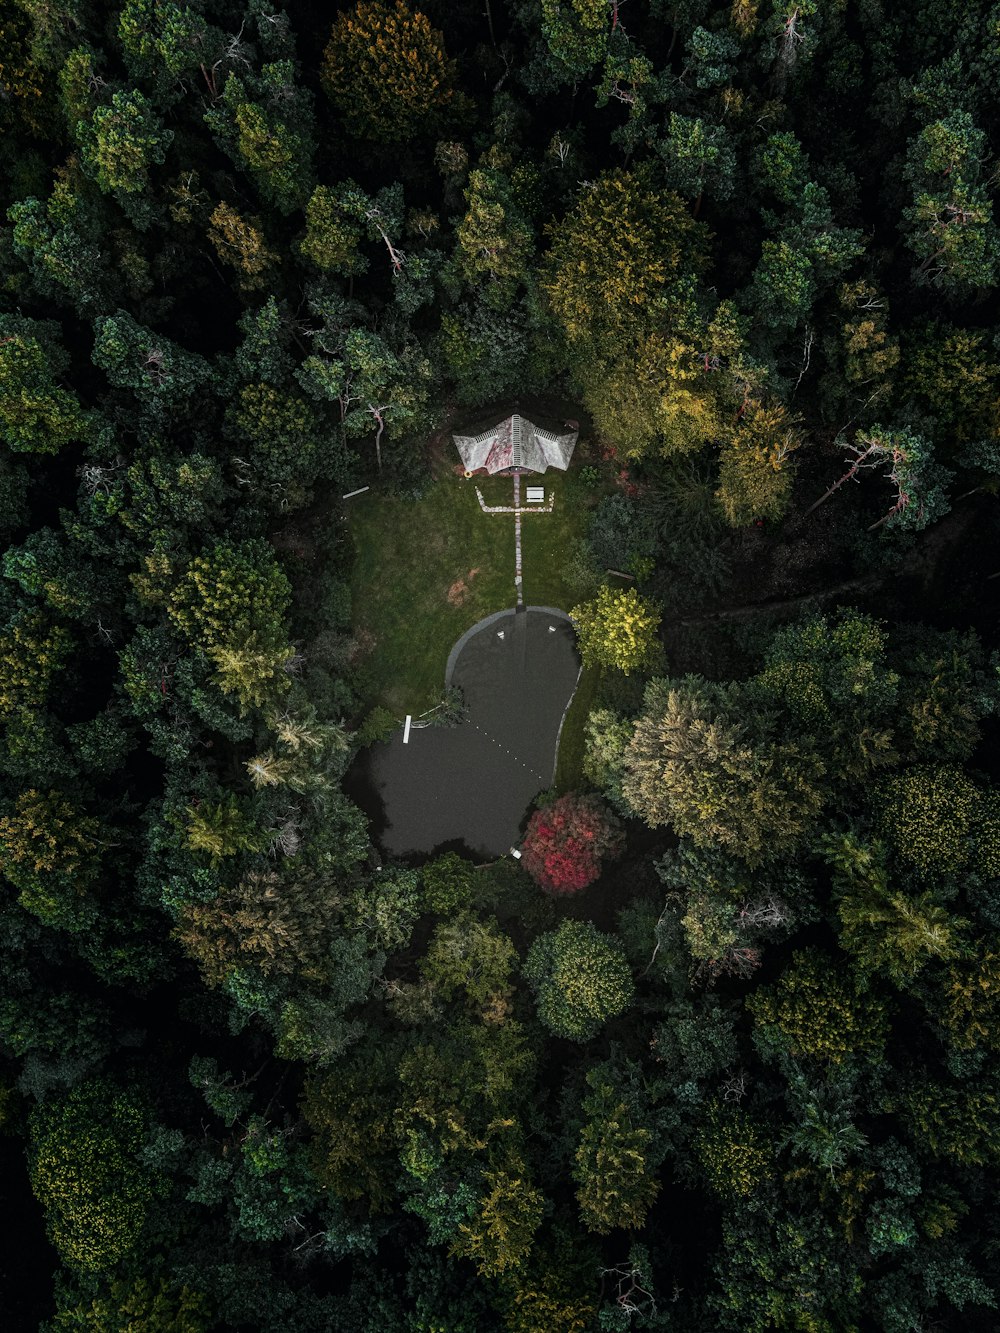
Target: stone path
{"points": [[517, 511], [509, 509], [517, 538]]}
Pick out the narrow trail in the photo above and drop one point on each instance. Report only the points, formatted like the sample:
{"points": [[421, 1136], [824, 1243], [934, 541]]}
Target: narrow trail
{"points": [[763, 608]]}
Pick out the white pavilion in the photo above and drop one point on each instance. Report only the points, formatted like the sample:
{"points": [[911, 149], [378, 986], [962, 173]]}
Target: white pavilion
{"points": [[516, 445]]}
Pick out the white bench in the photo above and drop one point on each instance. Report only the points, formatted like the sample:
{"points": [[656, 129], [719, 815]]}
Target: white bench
{"points": [[536, 495]]}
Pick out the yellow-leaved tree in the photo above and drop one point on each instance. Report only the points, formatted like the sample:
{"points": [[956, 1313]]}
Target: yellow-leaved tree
{"points": [[614, 261], [661, 399], [386, 71], [755, 467], [617, 629]]}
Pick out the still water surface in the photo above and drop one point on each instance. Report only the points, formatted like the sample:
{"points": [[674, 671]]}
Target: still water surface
{"points": [[470, 786]]}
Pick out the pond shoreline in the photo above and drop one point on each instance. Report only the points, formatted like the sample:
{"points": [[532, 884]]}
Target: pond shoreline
{"points": [[474, 784]]}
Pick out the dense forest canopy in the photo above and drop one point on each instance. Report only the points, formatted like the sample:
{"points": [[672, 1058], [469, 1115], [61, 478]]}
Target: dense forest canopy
{"points": [[721, 1051]]}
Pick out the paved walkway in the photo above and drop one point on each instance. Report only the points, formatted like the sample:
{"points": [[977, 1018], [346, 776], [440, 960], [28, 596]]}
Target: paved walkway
{"points": [[517, 511], [517, 538]]}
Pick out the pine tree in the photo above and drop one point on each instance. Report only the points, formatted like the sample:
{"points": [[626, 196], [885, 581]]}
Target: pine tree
{"points": [[616, 1186]]}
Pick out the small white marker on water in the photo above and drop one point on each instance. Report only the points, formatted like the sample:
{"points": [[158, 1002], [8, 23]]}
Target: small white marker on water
{"points": [[406, 729]]}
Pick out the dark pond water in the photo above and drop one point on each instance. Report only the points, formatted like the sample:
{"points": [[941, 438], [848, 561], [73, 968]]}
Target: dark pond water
{"points": [[470, 786]]}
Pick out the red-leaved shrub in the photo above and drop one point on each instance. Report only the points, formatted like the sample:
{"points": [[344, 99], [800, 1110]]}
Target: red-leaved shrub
{"points": [[567, 841]]}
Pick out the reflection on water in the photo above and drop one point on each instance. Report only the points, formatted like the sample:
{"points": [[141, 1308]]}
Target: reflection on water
{"points": [[471, 785]]}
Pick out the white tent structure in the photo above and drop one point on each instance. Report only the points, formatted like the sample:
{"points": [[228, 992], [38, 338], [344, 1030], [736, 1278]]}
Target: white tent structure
{"points": [[516, 445]]}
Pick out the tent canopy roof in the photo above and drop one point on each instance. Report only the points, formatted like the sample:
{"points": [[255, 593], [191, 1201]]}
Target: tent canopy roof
{"points": [[516, 443]]}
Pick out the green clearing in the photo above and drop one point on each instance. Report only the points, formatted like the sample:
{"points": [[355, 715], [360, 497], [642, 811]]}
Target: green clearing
{"points": [[425, 570]]}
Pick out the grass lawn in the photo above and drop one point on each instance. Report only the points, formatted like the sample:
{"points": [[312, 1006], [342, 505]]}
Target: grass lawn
{"points": [[547, 540], [425, 570], [569, 768]]}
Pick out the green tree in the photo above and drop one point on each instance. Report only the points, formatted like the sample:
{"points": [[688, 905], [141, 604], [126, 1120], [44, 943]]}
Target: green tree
{"points": [[817, 1012], [386, 71], [122, 140], [230, 603], [699, 156], [264, 122], [449, 884], [576, 32], [825, 1134], [617, 629], [165, 377], [887, 931], [223, 828], [354, 1148], [732, 1152], [240, 242], [615, 1182], [773, 1271], [580, 978], [927, 815], [314, 1025], [380, 391], [50, 851], [657, 399], [607, 739], [282, 431], [918, 481], [499, 1236], [64, 243], [163, 41], [696, 761], [971, 999], [755, 467], [33, 652], [865, 355], [945, 694], [494, 239], [475, 957], [56, 571], [85, 1172], [489, 351], [953, 374], [37, 414], [386, 907], [809, 251], [26, 93], [949, 226], [140, 1306], [834, 678], [955, 1123], [332, 235], [614, 263]]}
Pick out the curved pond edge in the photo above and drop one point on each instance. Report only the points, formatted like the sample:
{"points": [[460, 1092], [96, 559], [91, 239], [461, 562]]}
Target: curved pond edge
{"points": [[555, 757], [463, 639]]}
